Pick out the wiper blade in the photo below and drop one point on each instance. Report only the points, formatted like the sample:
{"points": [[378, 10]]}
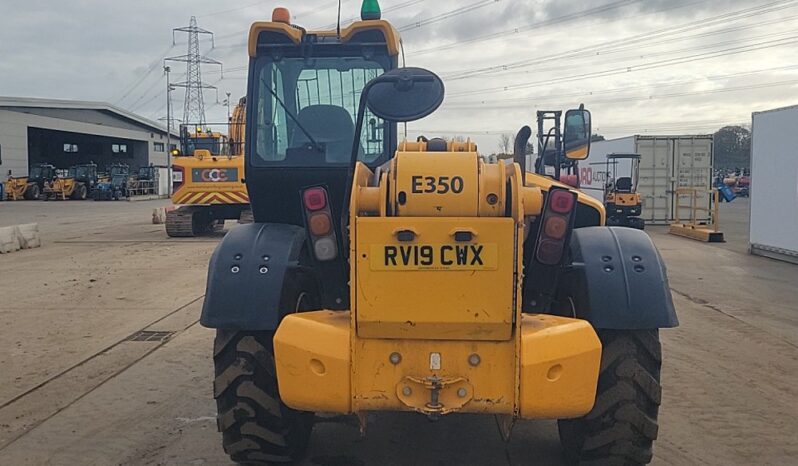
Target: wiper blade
{"points": [[294, 118]]}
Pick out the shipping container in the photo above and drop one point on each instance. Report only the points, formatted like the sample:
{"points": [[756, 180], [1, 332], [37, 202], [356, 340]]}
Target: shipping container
{"points": [[666, 163], [773, 228]]}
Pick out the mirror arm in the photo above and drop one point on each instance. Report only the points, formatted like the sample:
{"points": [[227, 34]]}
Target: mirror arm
{"points": [[519, 150], [350, 177]]}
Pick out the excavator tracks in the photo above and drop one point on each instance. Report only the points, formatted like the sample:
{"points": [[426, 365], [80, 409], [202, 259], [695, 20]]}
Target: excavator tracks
{"points": [[181, 223]]}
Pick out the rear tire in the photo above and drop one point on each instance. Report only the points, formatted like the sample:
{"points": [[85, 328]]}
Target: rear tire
{"points": [[80, 192], [622, 426], [32, 193], [257, 428]]}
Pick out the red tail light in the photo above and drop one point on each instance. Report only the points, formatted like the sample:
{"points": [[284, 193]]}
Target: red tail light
{"points": [[315, 198], [561, 201], [177, 177], [556, 224], [318, 219]]}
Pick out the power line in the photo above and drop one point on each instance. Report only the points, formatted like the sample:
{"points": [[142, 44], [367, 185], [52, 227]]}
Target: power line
{"points": [[627, 41], [150, 68], [230, 10], [416, 24], [567, 67], [659, 84], [449, 14], [642, 67], [634, 98], [384, 11], [529, 27]]}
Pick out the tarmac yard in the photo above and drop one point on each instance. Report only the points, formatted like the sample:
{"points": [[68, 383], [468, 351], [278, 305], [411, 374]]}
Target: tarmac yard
{"points": [[102, 360]]}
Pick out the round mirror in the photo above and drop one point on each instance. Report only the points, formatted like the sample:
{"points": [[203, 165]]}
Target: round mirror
{"points": [[405, 94]]}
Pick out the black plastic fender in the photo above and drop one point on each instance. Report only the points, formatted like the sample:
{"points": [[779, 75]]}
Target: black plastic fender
{"points": [[618, 280], [246, 275]]}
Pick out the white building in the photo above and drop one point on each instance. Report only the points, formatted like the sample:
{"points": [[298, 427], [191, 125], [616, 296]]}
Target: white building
{"points": [[65, 133]]}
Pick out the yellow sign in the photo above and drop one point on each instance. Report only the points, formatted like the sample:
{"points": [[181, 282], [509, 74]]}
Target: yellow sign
{"points": [[457, 256]]}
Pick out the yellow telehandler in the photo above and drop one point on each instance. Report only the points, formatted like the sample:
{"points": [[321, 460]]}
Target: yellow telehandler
{"points": [[386, 275], [29, 187], [78, 184]]}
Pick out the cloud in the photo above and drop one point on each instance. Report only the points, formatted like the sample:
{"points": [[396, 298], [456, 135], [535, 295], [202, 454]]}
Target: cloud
{"points": [[100, 50]]}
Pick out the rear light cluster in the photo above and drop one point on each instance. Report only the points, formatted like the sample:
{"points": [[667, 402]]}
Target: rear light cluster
{"points": [[177, 177], [556, 226], [319, 222]]}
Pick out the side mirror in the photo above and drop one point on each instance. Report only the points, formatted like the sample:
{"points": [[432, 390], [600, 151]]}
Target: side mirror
{"points": [[404, 94], [576, 133]]}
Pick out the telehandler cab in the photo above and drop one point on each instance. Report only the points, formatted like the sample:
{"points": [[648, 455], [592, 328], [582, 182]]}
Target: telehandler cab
{"points": [[411, 276]]}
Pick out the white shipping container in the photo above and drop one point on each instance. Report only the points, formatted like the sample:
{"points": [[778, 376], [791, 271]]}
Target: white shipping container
{"points": [[773, 225], [666, 163]]}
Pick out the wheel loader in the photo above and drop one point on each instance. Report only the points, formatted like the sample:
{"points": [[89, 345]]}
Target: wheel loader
{"points": [[78, 183], [29, 187], [387, 275], [208, 174]]}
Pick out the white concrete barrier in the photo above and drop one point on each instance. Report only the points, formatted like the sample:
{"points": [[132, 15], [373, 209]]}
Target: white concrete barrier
{"points": [[9, 240], [159, 214], [28, 235]]}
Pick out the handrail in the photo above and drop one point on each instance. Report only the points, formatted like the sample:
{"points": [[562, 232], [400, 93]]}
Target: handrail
{"points": [[695, 193]]}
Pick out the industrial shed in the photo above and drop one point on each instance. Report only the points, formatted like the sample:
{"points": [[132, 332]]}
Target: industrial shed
{"points": [[65, 133]]}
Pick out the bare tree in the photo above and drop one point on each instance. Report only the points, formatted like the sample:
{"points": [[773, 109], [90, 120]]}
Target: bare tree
{"points": [[505, 143]]}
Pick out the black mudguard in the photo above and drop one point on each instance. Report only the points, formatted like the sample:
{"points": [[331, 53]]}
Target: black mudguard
{"points": [[617, 280], [246, 275]]}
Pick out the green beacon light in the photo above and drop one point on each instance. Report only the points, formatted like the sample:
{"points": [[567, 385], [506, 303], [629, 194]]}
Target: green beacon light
{"points": [[370, 10]]}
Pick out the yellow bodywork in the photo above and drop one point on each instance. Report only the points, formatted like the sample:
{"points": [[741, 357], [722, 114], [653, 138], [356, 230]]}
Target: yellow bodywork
{"points": [[60, 188], [215, 179], [15, 188], [432, 329], [210, 179], [623, 199]]}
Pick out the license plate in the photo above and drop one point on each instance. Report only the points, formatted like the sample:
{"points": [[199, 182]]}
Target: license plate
{"points": [[434, 256]]}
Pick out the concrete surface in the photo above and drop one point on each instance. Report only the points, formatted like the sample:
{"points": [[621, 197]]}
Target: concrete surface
{"points": [[76, 390]]}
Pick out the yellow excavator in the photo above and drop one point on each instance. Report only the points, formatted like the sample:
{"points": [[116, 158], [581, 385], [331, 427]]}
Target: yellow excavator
{"points": [[388, 275], [208, 178], [621, 199]]}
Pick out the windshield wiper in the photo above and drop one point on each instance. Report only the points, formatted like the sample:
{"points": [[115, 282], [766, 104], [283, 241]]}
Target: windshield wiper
{"points": [[294, 118]]}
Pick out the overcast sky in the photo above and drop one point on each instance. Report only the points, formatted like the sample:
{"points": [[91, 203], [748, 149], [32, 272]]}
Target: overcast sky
{"points": [[641, 66]]}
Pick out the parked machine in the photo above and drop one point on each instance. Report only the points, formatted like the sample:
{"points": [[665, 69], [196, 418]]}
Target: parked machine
{"points": [[621, 199], [410, 276], [29, 187], [145, 182], [117, 185], [208, 173], [78, 184]]}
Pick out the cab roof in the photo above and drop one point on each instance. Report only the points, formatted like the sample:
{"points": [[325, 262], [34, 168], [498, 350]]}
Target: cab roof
{"points": [[295, 33]]}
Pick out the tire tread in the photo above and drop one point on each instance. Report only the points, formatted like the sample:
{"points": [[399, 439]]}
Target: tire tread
{"points": [[622, 426]]}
